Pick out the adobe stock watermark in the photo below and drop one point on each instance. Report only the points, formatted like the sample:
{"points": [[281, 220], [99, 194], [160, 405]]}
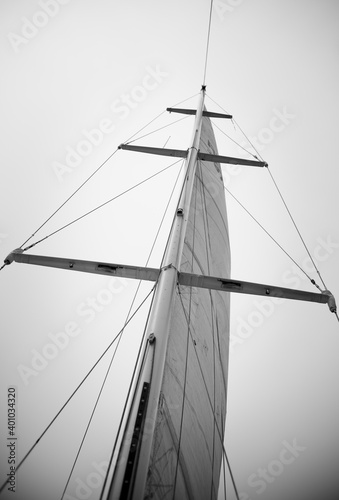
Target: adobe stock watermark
{"points": [[263, 477], [85, 487], [121, 108], [292, 278], [30, 28], [279, 121], [59, 341], [223, 7]]}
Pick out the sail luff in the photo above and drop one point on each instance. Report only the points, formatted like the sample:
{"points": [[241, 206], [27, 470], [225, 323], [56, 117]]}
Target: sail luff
{"points": [[158, 328], [188, 441]]}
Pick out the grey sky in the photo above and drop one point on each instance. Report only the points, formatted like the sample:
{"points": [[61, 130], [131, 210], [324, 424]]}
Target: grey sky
{"points": [[112, 66]]}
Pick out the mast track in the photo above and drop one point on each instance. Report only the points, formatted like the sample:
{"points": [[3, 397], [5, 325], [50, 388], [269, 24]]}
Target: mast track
{"points": [[133, 454]]}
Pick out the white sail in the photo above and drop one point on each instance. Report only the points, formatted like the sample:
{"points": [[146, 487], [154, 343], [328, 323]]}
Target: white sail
{"points": [[187, 443]]}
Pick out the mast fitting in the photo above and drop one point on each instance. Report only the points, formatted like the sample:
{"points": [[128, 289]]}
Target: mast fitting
{"points": [[10, 257], [331, 301]]}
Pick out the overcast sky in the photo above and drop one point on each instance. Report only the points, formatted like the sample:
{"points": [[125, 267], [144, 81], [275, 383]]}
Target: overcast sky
{"points": [[80, 77]]}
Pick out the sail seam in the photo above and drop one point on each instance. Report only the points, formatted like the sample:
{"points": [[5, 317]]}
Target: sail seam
{"points": [[201, 372], [212, 198], [187, 349], [208, 243], [210, 403]]}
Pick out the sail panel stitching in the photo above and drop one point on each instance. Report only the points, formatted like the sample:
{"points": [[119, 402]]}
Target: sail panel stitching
{"points": [[187, 353], [219, 433], [210, 403], [208, 251]]}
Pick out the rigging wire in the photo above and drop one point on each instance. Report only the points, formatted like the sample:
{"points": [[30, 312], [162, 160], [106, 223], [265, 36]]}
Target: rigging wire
{"points": [[69, 198], [173, 220], [291, 217], [160, 128], [186, 357], [142, 340], [101, 205], [248, 140], [166, 141], [126, 402], [223, 109], [88, 426], [297, 229], [207, 393], [85, 182], [286, 207], [75, 390], [145, 126], [224, 468], [231, 474], [288, 211], [118, 336], [223, 419], [158, 116], [208, 42], [213, 313], [268, 234], [92, 175], [241, 130], [213, 316], [235, 142]]}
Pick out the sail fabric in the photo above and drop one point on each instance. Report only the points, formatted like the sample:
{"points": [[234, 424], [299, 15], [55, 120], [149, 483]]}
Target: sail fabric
{"points": [[187, 443]]}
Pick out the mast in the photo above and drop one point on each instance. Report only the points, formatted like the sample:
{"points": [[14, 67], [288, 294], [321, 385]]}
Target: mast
{"points": [[192, 273], [157, 332]]}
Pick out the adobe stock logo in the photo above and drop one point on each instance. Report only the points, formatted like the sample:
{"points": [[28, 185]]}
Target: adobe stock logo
{"points": [[263, 477], [121, 109], [225, 6], [59, 341], [31, 27], [279, 121], [291, 278], [93, 481]]}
